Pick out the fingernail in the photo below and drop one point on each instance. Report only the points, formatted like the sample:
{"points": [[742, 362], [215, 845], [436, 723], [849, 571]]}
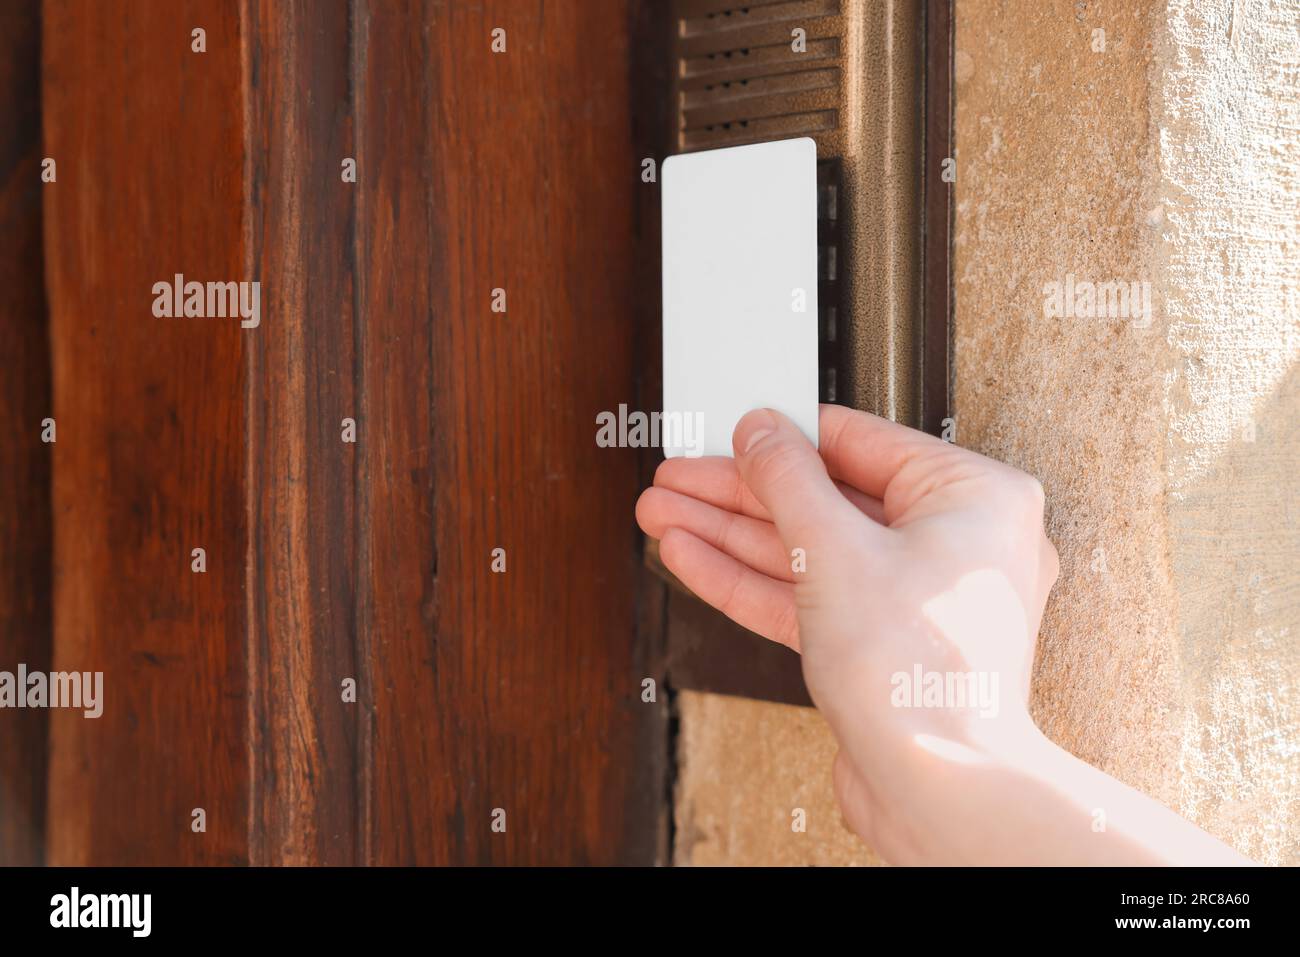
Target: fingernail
{"points": [[753, 428], [755, 425], [756, 436]]}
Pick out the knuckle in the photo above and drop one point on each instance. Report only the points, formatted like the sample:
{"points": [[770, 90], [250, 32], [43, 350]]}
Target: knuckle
{"points": [[1051, 560], [731, 602], [1028, 492], [1033, 492], [725, 535], [777, 462]]}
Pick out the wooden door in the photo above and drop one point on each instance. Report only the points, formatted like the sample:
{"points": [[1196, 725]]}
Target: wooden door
{"points": [[413, 634]]}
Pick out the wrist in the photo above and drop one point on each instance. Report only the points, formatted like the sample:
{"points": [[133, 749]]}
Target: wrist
{"points": [[1011, 796], [962, 787]]}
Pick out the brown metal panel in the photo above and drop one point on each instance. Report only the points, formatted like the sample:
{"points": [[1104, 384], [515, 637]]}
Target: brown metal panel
{"points": [[872, 89], [857, 90], [936, 361]]}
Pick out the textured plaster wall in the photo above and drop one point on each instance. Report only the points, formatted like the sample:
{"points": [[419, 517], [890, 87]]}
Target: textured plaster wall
{"points": [[1229, 259], [1170, 452]]}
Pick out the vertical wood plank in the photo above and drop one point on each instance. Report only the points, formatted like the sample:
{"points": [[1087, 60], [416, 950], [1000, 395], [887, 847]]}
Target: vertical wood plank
{"points": [[149, 461], [521, 690], [300, 472], [25, 532], [325, 561]]}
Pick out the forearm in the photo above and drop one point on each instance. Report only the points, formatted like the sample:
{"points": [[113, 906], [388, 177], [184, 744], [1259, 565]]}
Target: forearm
{"points": [[1037, 804]]}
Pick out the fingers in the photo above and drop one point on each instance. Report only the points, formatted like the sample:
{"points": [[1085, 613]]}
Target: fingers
{"points": [[785, 473], [867, 451], [873, 508], [716, 480], [750, 599], [713, 479], [902, 467], [749, 540], [861, 452]]}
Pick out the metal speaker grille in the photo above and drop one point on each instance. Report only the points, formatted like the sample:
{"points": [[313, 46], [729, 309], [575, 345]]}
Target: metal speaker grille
{"points": [[740, 80], [855, 88], [860, 90]]}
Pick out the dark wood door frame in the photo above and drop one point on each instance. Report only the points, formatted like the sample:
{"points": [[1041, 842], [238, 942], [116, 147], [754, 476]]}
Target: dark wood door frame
{"points": [[25, 407]]}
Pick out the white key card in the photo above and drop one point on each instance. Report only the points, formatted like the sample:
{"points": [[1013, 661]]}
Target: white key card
{"points": [[739, 291]]}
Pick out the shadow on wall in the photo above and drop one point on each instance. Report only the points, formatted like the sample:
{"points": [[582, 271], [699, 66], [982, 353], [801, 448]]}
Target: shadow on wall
{"points": [[1235, 544]]}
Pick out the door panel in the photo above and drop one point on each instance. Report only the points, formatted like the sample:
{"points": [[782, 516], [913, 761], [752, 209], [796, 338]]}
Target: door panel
{"points": [[330, 561]]}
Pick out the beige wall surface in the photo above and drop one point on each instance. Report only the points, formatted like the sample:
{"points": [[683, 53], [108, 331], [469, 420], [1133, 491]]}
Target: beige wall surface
{"points": [[1165, 152]]}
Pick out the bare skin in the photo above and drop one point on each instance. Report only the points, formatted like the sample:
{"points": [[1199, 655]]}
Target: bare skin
{"points": [[915, 553]]}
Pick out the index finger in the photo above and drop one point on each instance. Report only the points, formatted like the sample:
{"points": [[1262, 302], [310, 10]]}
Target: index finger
{"points": [[867, 451], [715, 479]]}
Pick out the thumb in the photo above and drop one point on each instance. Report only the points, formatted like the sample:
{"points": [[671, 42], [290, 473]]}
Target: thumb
{"points": [[786, 474]]}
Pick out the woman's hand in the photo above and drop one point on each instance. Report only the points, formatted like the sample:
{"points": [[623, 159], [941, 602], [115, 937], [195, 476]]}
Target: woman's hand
{"points": [[912, 575]]}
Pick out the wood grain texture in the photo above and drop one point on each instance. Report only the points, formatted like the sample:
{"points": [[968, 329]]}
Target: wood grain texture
{"points": [[300, 477], [521, 690], [25, 525], [149, 461], [327, 560]]}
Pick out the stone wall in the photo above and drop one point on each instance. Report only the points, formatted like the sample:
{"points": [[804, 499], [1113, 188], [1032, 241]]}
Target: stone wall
{"points": [[1165, 154]]}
